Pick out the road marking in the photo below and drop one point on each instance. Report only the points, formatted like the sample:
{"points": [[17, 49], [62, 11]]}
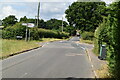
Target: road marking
{"points": [[61, 41], [83, 48], [23, 75], [73, 54], [96, 76], [70, 54], [79, 54], [45, 44]]}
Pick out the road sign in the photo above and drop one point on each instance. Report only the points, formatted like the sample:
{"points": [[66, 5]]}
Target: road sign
{"points": [[31, 25], [28, 24], [24, 24]]}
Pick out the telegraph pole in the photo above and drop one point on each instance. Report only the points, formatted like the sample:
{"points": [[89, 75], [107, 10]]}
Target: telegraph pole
{"points": [[62, 24], [38, 14]]}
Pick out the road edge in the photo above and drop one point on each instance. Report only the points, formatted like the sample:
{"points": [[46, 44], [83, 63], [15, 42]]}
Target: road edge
{"points": [[92, 66]]}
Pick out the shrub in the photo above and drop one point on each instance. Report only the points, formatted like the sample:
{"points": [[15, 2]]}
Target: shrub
{"points": [[12, 31], [100, 36], [87, 35], [36, 33]]}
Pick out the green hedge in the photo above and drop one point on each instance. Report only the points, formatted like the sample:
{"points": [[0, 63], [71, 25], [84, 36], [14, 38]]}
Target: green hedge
{"points": [[87, 35], [108, 32], [36, 33], [100, 36], [43, 33]]}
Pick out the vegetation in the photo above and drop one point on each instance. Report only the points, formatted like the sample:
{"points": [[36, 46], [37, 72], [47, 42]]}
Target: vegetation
{"points": [[13, 46], [86, 41], [93, 19], [9, 21], [85, 16], [87, 35], [36, 33], [108, 33]]}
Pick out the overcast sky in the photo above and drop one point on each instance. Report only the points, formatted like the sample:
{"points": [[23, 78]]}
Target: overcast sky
{"points": [[48, 9]]}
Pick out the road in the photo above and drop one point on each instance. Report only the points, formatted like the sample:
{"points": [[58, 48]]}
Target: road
{"points": [[60, 59]]}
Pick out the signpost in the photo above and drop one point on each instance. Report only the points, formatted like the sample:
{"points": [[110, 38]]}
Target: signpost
{"points": [[30, 25]]}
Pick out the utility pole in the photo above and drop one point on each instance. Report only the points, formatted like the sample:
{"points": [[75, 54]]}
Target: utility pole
{"points": [[38, 14], [26, 33], [62, 24]]}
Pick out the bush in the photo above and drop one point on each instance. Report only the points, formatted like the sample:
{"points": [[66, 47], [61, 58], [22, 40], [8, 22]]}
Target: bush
{"points": [[43, 33], [12, 31], [100, 35], [36, 33], [87, 35]]}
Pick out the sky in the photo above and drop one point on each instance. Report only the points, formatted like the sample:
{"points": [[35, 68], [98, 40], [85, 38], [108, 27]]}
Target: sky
{"points": [[48, 8]]}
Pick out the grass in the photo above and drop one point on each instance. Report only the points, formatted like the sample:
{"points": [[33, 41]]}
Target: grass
{"points": [[86, 41], [103, 72], [8, 47], [49, 39], [13, 46]]}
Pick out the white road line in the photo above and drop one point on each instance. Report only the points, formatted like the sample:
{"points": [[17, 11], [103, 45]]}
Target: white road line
{"points": [[92, 65], [61, 41], [45, 44], [83, 48], [23, 75]]}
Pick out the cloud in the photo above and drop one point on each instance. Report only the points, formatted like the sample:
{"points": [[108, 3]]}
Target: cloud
{"points": [[6, 11], [48, 10], [53, 10], [37, 0]]}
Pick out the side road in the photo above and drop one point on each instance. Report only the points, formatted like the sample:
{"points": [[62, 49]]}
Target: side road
{"points": [[96, 63]]}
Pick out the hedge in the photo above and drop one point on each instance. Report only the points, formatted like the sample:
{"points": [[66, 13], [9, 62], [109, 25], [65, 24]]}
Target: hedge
{"points": [[36, 33], [87, 35]]}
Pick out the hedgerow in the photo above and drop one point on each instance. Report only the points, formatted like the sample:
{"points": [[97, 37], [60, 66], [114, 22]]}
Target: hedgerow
{"points": [[36, 33]]}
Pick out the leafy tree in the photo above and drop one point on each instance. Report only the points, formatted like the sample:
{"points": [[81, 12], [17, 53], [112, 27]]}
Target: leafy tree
{"points": [[24, 19], [86, 16], [55, 24], [9, 21], [70, 29], [42, 24]]}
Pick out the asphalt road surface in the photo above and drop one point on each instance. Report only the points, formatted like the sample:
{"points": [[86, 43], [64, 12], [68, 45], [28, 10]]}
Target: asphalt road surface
{"points": [[60, 59]]}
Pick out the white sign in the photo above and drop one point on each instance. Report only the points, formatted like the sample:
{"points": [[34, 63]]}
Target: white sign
{"points": [[31, 25], [24, 24], [28, 24]]}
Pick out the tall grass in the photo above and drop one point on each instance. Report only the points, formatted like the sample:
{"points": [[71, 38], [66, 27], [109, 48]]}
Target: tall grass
{"points": [[13, 46]]}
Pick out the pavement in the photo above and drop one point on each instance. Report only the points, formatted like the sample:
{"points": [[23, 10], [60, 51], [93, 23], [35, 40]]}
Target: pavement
{"points": [[59, 59], [96, 63]]}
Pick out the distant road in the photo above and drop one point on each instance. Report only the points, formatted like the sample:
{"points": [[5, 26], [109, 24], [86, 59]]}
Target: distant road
{"points": [[60, 59]]}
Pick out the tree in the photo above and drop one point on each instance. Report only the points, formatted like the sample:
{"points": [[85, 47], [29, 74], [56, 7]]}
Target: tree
{"points": [[42, 24], [55, 24], [9, 21], [24, 19], [70, 29], [86, 16]]}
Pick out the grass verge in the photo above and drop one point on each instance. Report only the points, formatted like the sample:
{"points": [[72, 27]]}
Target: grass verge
{"points": [[50, 39], [11, 47], [86, 41], [103, 72]]}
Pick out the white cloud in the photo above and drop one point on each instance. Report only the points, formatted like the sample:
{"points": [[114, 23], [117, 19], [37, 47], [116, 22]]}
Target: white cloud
{"points": [[37, 0], [6, 11], [108, 1]]}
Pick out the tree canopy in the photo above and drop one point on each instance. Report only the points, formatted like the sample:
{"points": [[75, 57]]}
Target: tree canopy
{"points": [[9, 21], [55, 24], [86, 16]]}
